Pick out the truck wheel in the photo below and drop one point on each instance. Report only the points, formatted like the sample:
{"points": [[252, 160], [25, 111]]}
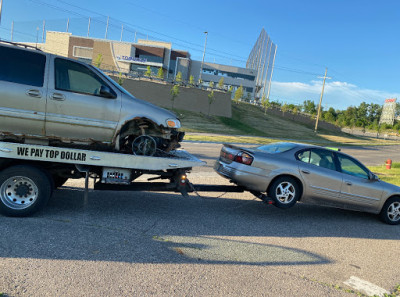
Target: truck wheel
{"points": [[284, 192], [24, 190], [390, 213]]}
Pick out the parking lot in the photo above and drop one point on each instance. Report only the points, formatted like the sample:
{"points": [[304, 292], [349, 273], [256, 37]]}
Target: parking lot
{"points": [[142, 244]]}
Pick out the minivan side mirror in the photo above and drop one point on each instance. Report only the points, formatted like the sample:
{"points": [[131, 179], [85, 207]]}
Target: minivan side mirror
{"points": [[106, 92]]}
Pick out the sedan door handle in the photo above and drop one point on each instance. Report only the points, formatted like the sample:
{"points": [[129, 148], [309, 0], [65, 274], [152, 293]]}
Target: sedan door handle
{"points": [[58, 97], [305, 171], [348, 183], [34, 93]]}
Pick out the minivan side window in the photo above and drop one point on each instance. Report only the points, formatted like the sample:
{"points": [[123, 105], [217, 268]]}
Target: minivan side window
{"points": [[21, 66], [77, 78]]}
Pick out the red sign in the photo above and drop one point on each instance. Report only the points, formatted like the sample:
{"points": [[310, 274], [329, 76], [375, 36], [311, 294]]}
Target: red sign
{"points": [[390, 100]]}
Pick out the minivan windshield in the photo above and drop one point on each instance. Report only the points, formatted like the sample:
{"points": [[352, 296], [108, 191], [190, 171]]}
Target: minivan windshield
{"points": [[278, 147]]}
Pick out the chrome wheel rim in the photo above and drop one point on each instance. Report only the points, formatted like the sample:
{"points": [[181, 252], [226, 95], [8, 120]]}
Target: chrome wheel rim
{"points": [[393, 211], [285, 192], [18, 192]]}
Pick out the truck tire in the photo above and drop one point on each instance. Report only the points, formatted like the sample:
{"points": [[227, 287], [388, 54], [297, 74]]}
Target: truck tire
{"points": [[24, 190]]}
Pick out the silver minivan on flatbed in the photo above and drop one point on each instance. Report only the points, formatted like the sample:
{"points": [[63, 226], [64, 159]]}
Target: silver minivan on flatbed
{"points": [[52, 100]]}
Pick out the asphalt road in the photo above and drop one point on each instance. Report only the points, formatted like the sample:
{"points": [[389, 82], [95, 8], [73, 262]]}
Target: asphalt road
{"points": [[219, 244]]}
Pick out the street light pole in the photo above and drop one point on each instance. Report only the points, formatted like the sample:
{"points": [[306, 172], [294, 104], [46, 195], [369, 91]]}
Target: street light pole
{"points": [[204, 53], [320, 101]]}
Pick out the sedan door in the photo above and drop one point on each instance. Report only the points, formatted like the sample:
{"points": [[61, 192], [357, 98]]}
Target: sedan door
{"points": [[323, 182], [78, 108], [358, 191]]}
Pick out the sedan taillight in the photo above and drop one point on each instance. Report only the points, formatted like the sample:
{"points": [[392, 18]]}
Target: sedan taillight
{"points": [[244, 158]]}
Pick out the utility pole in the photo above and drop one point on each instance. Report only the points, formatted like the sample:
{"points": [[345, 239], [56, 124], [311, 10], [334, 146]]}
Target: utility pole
{"points": [[320, 100], [204, 53], [1, 5]]}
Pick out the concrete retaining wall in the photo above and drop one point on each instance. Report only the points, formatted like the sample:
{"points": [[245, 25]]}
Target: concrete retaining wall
{"points": [[190, 99]]}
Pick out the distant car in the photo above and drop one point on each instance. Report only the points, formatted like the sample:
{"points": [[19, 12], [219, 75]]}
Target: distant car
{"points": [[291, 172]]}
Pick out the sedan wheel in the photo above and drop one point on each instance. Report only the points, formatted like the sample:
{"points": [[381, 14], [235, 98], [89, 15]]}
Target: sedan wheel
{"points": [[285, 192], [390, 213]]}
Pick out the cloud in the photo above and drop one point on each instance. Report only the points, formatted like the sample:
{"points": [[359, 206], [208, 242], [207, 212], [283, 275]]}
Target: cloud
{"points": [[337, 94]]}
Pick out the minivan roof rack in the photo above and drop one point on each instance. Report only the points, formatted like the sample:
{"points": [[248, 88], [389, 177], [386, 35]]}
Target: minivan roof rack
{"points": [[20, 44]]}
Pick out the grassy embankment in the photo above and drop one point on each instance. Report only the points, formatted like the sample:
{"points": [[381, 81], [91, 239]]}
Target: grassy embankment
{"points": [[253, 126]]}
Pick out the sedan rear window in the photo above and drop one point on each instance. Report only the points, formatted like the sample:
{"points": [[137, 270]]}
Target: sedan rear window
{"points": [[278, 147]]}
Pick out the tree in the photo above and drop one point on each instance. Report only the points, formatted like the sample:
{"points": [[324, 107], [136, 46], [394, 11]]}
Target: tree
{"points": [[211, 84], [191, 80], [174, 93], [211, 99], [230, 89], [238, 95], [160, 73], [148, 72], [221, 83], [309, 107], [120, 79], [98, 61], [330, 115], [178, 77], [276, 104], [265, 103], [284, 108]]}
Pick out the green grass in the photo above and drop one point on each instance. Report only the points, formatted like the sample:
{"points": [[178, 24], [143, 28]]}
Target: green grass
{"points": [[249, 120], [388, 175]]}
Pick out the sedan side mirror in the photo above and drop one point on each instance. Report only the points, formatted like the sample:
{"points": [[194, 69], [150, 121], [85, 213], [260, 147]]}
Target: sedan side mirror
{"points": [[373, 177], [106, 92]]}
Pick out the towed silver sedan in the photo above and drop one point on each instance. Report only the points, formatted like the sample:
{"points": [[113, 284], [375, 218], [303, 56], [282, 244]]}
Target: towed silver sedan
{"points": [[291, 172]]}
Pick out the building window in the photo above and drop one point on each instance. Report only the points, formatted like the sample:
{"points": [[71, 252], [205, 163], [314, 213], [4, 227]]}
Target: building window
{"points": [[82, 52], [228, 74]]}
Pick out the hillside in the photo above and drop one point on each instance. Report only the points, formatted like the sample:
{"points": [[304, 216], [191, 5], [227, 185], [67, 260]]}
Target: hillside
{"points": [[250, 120]]}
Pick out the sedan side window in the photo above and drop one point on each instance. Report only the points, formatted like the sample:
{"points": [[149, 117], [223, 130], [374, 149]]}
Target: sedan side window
{"points": [[74, 77], [351, 167], [318, 157]]}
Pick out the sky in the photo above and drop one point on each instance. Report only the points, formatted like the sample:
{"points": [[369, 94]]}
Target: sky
{"points": [[356, 40]]}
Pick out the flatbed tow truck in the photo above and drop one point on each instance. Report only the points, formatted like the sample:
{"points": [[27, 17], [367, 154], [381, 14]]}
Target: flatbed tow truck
{"points": [[29, 173]]}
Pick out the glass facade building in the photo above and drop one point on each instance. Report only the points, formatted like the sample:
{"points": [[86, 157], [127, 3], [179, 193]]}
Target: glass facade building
{"points": [[262, 59]]}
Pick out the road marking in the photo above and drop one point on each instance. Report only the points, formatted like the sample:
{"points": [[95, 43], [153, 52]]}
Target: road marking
{"points": [[365, 287]]}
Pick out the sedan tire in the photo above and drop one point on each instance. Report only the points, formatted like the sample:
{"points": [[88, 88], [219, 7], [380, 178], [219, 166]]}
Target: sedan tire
{"points": [[285, 192], [390, 213]]}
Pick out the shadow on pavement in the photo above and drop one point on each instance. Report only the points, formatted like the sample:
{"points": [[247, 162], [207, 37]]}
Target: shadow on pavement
{"points": [[167, 228]]}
